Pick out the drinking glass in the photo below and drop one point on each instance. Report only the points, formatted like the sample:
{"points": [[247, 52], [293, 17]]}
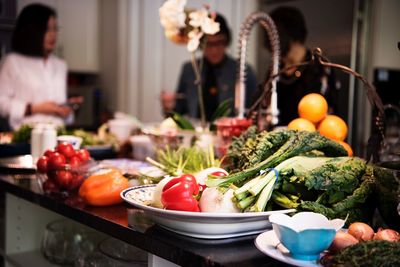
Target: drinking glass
{"points": [[64, 242], [112, 252]]}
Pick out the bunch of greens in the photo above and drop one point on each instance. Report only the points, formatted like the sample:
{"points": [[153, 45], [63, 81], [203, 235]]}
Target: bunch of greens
{"points": [[280, 145], [366, 254], [301, 170], [184, 160]]}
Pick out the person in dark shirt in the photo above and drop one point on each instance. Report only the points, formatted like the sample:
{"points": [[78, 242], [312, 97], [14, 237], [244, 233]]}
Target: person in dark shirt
{"points": [[294, 84], [218, 78]]}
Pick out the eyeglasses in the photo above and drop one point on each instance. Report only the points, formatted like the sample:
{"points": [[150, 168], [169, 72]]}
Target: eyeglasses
{"points": [[53, 29], [220, 43]]}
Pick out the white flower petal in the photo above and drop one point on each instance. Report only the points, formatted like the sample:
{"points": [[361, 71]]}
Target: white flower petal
{"points": [[209, 26], [197, 17], [193, 44]]}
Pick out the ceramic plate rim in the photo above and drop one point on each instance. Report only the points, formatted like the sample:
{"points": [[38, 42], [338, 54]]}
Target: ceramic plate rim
{"points": [[203, 215], [267, 237]]}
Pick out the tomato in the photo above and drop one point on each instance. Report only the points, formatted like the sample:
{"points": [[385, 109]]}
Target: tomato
{"points": [[51, 174], [64, 179], [83, 154], [74, 161], [65, 149], [50, 186], [49, 152], [56, 161], [76, 181], [42, 164], [218, 173]]}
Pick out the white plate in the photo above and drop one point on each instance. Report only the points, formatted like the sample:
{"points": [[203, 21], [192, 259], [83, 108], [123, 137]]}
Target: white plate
{"points": [[199, 224], [269, 244]]}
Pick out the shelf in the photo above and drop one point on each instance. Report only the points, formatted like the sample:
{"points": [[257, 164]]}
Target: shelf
{"points": [[29, 258]]}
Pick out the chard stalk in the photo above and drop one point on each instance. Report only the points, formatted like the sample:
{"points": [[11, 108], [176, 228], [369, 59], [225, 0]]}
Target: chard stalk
{"points": [[246, 202], [264, 196], [246, 186]]}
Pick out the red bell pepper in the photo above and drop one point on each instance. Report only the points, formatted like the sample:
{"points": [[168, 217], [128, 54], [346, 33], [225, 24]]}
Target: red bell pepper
{"points": [[180, 194]]}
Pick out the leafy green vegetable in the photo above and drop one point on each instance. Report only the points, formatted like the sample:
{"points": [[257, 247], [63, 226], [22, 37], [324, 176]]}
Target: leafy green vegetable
{"points": [[182, 122], [223, 110], [366, 254], [388, 193], [297, 144], [23, 134]]}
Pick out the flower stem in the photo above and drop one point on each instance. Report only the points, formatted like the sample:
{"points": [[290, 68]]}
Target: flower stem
{"points": [[199, 91]]}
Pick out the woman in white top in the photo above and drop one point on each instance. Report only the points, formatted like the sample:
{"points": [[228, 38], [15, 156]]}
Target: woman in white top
{"points": [[32, 80]]}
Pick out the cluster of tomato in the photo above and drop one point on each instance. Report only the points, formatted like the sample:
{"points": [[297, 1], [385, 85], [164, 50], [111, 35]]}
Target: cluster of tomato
{"points": [[59, 165]]}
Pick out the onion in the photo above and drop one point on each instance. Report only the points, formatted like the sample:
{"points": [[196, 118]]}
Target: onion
{"points": [[213, 200], [158, 191], [388, 235], [361, 231], [341, 241]]}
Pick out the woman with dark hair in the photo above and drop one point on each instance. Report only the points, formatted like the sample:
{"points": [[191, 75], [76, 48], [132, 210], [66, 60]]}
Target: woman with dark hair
{"points": [[294, 84], [32, 80], [218, 78]]}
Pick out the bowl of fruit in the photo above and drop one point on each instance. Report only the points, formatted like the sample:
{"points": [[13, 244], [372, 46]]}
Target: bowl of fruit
{"points": [[62, 168]]}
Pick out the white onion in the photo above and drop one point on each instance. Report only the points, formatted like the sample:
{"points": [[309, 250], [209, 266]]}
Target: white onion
{"points": [[213, 200], [158, 191]]}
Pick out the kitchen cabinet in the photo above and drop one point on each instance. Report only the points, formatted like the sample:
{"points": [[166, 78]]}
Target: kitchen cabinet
{"points": [[78, 38]]}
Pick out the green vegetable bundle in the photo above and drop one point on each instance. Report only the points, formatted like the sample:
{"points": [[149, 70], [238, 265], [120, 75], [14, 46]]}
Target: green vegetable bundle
{"points": [[301, 170], [366, 254]]}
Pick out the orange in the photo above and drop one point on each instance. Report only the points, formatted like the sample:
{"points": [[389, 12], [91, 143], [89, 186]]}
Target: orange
{"points": [[301, 124], [313, 107], [333, 127], [347, 147]]}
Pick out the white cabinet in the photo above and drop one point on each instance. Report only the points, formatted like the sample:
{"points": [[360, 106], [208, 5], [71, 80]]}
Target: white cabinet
{"points": [[78, 39]]}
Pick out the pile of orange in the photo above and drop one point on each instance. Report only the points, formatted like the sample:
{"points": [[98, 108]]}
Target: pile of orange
{"points": [[313, 116]]}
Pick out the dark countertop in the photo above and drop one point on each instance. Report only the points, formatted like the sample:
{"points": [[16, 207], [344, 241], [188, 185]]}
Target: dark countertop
{"points": [[140, 231]]}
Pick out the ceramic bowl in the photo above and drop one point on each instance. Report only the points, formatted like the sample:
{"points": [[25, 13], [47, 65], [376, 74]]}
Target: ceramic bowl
{"points": [[75, 141], [306, 234]]}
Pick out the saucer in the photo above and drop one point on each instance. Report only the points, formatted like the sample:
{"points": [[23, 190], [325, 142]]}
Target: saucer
{"points": [[269, 244]]}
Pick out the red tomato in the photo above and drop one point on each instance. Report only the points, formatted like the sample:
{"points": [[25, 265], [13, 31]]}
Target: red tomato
{"points": [[64, 179], [66, 149], [50, 186], [218, 173], [83, 154], [75, 161], [76, 181], [51, 174], [49, 152], [42, 164], [56, 161]]}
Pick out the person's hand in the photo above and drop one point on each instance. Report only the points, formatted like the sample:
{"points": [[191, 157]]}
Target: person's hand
{"points": [[75, 102], [168, 100], [51, 108]]}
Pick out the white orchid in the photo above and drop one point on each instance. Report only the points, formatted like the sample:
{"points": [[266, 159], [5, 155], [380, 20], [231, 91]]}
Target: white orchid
{"points": [[172, 16], [194, 39], [209, 26], [198, 17], [201, 19], [173, 19]]}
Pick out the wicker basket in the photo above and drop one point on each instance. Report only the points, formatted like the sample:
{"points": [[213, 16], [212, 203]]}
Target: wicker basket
{"points": [[376, 139]]}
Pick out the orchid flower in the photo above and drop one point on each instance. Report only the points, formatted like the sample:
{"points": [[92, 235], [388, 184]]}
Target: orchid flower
{"points": [[194, 40], [172, 15]]}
